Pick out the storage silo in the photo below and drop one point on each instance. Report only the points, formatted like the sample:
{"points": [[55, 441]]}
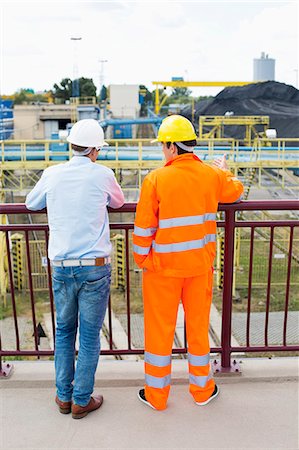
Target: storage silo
{"points": [[264, 68]]}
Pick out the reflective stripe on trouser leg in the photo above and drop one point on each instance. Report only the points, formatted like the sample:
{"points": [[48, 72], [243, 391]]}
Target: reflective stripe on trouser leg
{"points": [[197, 298], [161, 297]]}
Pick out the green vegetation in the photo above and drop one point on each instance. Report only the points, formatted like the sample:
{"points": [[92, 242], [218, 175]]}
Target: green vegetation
{"points": [[119, 301], [25, 96], [63, 90], [23, 305], [260, 276]]}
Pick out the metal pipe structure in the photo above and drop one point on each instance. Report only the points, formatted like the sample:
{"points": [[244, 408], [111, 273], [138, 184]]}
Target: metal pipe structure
{"points": [[182, 83]]}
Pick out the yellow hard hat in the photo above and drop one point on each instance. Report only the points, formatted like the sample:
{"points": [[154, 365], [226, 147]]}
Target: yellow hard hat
{"points": [[176, 128]]}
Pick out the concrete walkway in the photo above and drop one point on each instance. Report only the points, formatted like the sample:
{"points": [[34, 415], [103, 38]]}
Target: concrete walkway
{"points": [[258, 409]]}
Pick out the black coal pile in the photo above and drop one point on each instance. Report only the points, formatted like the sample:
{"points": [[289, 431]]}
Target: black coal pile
{"points": [[279, 101]]}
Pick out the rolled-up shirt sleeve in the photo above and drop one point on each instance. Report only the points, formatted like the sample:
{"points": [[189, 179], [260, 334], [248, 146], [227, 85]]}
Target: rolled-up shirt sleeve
{"points": [[37, 198], [115, 195]]}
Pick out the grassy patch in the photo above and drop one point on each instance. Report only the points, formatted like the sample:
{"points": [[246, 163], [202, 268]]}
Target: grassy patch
{"points": [[23, 305]]}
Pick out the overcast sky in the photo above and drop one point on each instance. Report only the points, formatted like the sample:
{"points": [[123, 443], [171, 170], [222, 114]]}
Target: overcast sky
{"points": [[145, 41]]}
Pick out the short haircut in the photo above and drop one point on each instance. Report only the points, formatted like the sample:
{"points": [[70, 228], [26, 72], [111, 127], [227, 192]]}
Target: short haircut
{"points": [[78, 148], [180, 150]]}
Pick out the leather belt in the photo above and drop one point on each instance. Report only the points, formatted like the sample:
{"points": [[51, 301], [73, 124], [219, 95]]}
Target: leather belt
{"points": [[81, 262]]}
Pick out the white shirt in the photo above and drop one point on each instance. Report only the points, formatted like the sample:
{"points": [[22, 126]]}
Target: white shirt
{"points": [[76, 195]]}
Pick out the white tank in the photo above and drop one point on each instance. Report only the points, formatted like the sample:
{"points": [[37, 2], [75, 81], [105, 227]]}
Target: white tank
{"points": [[271, 133], [264, 68]]}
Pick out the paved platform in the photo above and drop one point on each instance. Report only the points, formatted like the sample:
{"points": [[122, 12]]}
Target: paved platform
{"points": [[258, 409], [257, 328]]}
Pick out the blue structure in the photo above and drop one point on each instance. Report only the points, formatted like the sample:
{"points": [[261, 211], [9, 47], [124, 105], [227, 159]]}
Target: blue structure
{"points": [[75, 88], [122, 128], [36, 152], [6, 119], [123, 131]]}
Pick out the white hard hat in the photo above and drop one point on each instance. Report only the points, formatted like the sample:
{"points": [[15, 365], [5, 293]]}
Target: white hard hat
{"points": [[87, 133]]}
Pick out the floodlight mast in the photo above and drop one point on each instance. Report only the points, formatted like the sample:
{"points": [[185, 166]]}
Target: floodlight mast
{"points": [[75, 84]]}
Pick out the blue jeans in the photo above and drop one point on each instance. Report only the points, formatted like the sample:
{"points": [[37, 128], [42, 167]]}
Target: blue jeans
{"points": [[81, 295]]}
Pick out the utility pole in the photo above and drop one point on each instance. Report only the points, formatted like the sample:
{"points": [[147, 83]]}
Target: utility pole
{"points": [[101, 77], [75, 84]]}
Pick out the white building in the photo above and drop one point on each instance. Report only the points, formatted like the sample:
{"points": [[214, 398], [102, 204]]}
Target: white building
{"points": [[124, 100]]}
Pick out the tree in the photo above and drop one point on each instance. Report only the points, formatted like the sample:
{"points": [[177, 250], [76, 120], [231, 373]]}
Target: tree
{"points": [[20, 97], [181, 92], [87, 87], [63, 90], [145, 99], [29, 96]]}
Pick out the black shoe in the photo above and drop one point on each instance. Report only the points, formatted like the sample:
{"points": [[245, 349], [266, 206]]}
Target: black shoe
{"points": [[215, 393], [141, 396]]}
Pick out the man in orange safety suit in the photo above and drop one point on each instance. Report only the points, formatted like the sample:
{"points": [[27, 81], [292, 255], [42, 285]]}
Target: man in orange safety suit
{"points": [[174, 242]]}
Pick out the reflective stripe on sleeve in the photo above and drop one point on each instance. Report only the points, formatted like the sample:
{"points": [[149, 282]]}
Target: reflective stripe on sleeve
{"points": [[157, 360], [157, 382], [187, 220], [144, 232], [141, 250], [200, 381], [199, 360], [183, 246]]}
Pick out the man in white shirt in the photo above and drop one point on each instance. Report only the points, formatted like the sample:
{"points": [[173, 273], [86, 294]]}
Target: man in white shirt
{"points": [[76, 195]]}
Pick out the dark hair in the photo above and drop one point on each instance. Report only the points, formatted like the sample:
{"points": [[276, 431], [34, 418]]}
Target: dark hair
{"points": [[180, 150], [78, 148]]}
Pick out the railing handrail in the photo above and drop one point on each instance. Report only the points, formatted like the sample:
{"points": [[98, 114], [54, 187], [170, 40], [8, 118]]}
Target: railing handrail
{"points": [[229, 224], [246, 205]]}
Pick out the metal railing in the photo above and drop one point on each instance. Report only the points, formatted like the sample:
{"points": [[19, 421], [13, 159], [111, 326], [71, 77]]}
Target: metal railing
{"points": [[271, 167], [282, 151], [230, 224]]}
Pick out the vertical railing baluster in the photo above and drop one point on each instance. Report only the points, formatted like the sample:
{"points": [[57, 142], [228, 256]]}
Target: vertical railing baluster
{"points": [[185, 335], [229, 242], [31, 289], [269, 286], [128, 288], [249, 287], [0, 354], [110, 324], [286, 308], [12, 291], [50, 287]]}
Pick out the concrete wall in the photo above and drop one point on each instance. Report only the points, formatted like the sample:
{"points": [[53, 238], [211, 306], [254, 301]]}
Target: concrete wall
{"points": [[27, 123], [29, 120]]}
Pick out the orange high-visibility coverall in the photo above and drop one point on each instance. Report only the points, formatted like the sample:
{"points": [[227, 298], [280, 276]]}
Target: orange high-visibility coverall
{"points": [[174, 241]]}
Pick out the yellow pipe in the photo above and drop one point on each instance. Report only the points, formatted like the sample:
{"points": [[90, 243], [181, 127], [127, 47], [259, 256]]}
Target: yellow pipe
{"points": [[202, 83], [157, 101], [163, 100]]}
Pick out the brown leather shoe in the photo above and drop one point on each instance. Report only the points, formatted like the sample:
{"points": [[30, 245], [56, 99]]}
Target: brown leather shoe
{"points": [[64, 407], [81, 411]]}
